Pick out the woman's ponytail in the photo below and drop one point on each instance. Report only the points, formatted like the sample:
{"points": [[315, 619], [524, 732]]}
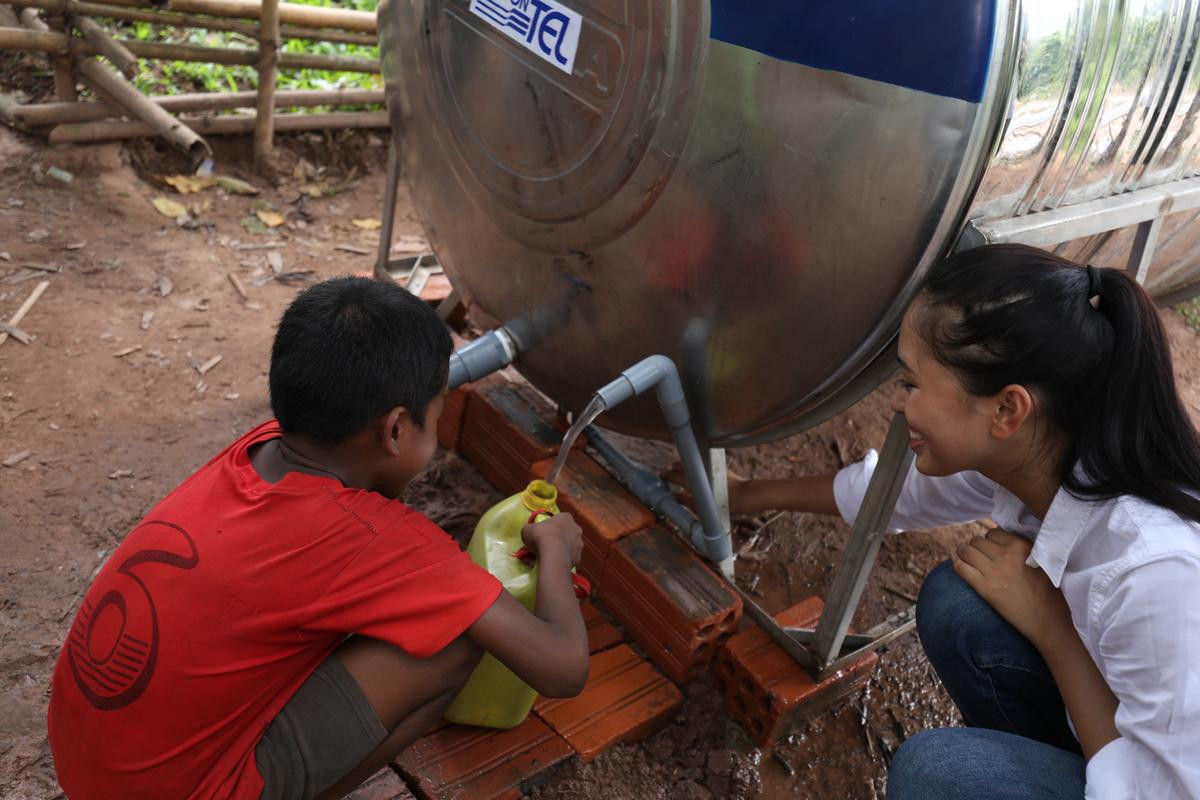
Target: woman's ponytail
{"points": [[1135, 437], [1089, 344]]}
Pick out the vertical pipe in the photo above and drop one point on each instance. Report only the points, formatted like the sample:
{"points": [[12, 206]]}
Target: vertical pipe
{"points": [[268, 58]]}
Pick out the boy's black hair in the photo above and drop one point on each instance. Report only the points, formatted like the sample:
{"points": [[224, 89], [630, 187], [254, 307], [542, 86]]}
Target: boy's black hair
{"points": [[1011, 314], [350, 349]]}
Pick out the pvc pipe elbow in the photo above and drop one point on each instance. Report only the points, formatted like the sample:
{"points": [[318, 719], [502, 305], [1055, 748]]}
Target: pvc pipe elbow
{"points": [[493, 351]]}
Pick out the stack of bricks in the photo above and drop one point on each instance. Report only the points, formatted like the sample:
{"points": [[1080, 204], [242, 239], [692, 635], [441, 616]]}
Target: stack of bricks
{"points": [[625, 699], [508, 427], [669, 601], [768, 692]]}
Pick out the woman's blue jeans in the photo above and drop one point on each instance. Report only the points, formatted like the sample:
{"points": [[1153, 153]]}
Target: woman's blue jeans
{"points": [[1017, 745]]}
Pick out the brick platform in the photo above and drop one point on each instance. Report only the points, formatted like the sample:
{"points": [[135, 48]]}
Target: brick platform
{"points": [[625, 700], [602, 507], [669, 601], [601, 633], [466, 763], [508, 428], [769, 693], [383, 785]]}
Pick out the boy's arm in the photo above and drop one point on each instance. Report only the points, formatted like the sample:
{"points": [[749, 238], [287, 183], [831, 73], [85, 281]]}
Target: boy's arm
{"points": [[547, 649]]}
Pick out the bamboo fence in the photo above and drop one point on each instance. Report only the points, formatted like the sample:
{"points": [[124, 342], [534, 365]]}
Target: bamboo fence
{"points": [[72, 37]]}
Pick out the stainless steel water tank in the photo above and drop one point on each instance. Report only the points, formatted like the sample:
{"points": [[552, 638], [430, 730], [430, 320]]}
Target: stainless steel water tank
{"points": [[754, 188]]}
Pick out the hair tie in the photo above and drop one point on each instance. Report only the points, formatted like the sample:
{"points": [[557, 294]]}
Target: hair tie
{"points": [[1093, 291]]}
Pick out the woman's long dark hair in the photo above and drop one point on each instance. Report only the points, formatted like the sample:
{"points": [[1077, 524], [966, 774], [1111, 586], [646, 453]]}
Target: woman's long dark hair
{"points": [[1101, 374]]}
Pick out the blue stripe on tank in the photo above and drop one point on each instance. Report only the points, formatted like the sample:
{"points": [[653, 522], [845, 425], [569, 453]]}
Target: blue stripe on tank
{"points": [[936, 46]]}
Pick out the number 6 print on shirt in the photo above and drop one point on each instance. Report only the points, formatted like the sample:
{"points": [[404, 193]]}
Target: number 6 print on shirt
{"points": [[113, 646]]}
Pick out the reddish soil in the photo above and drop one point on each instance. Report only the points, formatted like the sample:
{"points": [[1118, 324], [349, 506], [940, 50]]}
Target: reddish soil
{"points": [[108, 436]]}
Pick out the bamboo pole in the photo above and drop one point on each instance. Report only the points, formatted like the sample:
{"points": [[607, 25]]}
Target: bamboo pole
{"points": [[117, 54], [215, 126], [51, 42], [250, 31], [16, 318], [290, 13], [64, 81], [21, 39], [268, 57], [40, 114], [64, 75], [121, 93]]}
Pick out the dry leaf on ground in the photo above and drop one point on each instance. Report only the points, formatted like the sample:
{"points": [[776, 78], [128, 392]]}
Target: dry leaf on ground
{"points": [[169, 208], [366, 224], [272, 219], [235, 185], [186, 184]]}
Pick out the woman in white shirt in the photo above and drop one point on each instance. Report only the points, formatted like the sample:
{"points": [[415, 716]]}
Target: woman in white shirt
{"points": [[1040, 396]]}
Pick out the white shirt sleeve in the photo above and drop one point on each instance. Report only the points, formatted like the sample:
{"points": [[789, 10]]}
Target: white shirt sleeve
{"points": [[1148, 635], [924, 502]]}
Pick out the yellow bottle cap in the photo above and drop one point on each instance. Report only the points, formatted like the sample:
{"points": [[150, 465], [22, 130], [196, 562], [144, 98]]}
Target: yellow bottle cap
{"points": [[539, 496]]}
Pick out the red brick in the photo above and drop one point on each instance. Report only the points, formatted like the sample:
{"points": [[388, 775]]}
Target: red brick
{"points": [[383, 785], [471, 763], [454, 410], [601, 633], [508, 427], [625, 700], [602, 507], [768, 692], [669, 601]]}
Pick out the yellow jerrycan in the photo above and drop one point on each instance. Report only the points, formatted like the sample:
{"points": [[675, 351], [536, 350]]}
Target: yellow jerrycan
{"points": [[494, 696]]}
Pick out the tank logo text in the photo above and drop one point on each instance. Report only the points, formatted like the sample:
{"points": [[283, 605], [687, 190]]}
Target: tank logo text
{"points": [[545, 28]]}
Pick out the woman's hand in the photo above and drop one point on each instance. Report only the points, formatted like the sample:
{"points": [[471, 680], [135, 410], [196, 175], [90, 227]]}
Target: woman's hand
{"points": [[994, 566], [675, 475]]}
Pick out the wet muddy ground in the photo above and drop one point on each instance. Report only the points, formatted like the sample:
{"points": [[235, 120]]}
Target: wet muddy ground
{"points": [[106, 410]]}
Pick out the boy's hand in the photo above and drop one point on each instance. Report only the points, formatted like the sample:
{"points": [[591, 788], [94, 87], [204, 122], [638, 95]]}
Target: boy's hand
{"points": [[560, 528]]}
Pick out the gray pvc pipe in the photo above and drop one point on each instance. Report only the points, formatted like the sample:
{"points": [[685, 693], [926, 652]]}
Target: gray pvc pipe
{"points": [[490, 352], [647, 487], [659, 372]]}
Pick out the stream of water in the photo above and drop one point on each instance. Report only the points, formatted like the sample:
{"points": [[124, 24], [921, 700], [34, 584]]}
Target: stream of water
{"points": [[593, 410]]}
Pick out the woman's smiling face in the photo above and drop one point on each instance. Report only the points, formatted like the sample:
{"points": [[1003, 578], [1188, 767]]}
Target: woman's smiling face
{"points": [[950, 428]]}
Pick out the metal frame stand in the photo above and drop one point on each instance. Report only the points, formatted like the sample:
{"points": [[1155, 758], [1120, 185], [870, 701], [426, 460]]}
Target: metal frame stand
{"points": [[1145, 208], [417, 269], [388, 219], [824, 650]]}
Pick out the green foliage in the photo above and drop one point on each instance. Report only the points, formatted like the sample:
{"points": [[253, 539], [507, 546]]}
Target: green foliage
{"points": [[179, 77], [1190, 311]]}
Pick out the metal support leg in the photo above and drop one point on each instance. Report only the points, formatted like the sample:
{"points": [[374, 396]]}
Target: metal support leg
{"points": [[389, 213], [869, 527], [718, 476], [1142, 252]]}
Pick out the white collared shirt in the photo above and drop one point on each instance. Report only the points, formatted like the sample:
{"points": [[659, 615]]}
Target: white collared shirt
{"points": [[1130, 573]]}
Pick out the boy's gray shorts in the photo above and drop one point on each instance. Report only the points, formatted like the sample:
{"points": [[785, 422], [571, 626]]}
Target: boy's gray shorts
{"points": [[323, 732]]}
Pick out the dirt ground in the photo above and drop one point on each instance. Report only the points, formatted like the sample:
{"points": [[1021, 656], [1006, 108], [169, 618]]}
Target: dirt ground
{"points": [[110, 403]]}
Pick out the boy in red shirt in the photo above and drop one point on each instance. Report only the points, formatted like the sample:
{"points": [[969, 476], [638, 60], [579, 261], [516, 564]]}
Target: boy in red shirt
{"points": [[281, 625]]}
